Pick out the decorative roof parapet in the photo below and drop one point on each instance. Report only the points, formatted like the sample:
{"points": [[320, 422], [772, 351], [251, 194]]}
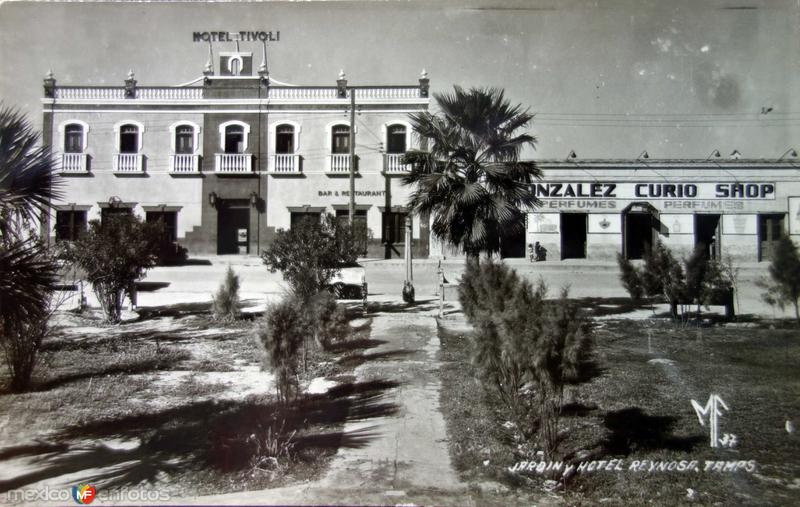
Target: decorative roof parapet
{"points": [[162, 93]]}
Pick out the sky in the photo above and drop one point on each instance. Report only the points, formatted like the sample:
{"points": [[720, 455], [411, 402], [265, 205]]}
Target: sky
{"points": [[607, 79]]}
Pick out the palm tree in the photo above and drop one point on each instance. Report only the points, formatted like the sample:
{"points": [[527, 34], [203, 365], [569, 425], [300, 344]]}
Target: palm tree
{"points": [[470, 178], [27, 274]]}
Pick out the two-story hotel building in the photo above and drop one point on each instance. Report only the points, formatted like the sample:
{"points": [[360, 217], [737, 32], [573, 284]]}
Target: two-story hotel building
{"points": [[230, 160]]}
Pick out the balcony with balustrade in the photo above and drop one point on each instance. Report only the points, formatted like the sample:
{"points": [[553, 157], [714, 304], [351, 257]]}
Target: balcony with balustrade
{"points": [[184, 164], [393, 164], [233, 163], [285, 164], [74, 163], [129, 164], [339, 164]]}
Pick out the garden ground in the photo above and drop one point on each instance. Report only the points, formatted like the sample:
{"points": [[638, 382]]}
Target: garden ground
{"points": [[172, 397]]}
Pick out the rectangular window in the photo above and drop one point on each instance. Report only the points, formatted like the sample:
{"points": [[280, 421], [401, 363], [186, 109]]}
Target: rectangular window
{"points": [[298, 217], [341, 139], [170, 220], [107, 212], [394, 227], [360, 231], [70, 224]]}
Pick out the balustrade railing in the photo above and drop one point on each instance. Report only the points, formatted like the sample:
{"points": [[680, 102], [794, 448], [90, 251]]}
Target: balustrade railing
{"points": [[128, 162], [392, 163], [285, 163], [339, 163], [232, 163], [73, 162], [184, 163]]}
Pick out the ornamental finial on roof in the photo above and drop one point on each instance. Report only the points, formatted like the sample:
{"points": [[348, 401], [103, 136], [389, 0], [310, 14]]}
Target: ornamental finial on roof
{"points": [[130, 74], [341, 74], [49, 74], [424, 74]]}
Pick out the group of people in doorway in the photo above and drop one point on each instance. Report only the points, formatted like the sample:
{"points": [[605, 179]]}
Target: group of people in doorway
{"points": [[537, 252]]}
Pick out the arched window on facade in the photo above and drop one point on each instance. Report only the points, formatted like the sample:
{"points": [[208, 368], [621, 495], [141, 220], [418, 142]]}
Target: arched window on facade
{"points": [[284, 139], [340, 139], [396, 139], [73, 138], [129, 139], [234, 139], [184, 139]]}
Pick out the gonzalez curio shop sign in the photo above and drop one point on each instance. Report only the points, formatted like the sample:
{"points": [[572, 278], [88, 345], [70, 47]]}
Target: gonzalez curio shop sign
{"points": [[660, 190]]}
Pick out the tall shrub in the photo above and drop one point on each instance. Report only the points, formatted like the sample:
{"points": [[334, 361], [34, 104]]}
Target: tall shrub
{"points": [[526, 348], [115, 254], [784, 271], [310, 254], [282, 332], [225, 304]]}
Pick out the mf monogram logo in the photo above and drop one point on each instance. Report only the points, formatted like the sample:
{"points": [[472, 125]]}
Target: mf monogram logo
{"points": [[712, 412]]}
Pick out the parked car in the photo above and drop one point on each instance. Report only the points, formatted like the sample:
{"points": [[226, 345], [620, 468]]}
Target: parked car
{"points": [[350, 283]]}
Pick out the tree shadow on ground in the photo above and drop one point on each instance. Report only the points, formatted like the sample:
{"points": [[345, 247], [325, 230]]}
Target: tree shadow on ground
{"points": [[151, 286], [632, 430], [397, 307], [603, 307], [155, 363], [354, 360], [176, 310], [218, 435], [351, 345]]}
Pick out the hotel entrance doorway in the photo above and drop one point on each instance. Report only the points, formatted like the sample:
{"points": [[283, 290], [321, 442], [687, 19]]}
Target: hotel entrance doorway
{"points": [[233, 227]]}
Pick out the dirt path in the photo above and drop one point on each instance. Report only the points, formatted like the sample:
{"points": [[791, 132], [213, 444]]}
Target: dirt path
{"points": [[407, 459]]}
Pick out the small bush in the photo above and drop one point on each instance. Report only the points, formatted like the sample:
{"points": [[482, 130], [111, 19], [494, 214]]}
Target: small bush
{"points": [[281, 332], [630, 277], [225, 304], [330, 324], [784, 271]]}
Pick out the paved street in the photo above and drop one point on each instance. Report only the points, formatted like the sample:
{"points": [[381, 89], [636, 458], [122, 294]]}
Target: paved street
{"points": [[195, 283]]}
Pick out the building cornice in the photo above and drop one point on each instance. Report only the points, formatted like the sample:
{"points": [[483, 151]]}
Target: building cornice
{"points": [[628, 164]]}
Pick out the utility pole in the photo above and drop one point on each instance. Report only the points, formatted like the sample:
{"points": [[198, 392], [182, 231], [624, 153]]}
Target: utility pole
{"points": [[352, 207]]}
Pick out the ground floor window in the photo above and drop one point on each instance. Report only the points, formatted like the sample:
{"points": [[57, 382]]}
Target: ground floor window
{"points": [[111, 211], [360, 232], [70, 224], [770, 231], [394, 227], [170, 220], [298, 217]]}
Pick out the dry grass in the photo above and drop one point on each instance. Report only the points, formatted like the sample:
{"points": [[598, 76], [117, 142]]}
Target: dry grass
{"points": [[637, 410]]}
